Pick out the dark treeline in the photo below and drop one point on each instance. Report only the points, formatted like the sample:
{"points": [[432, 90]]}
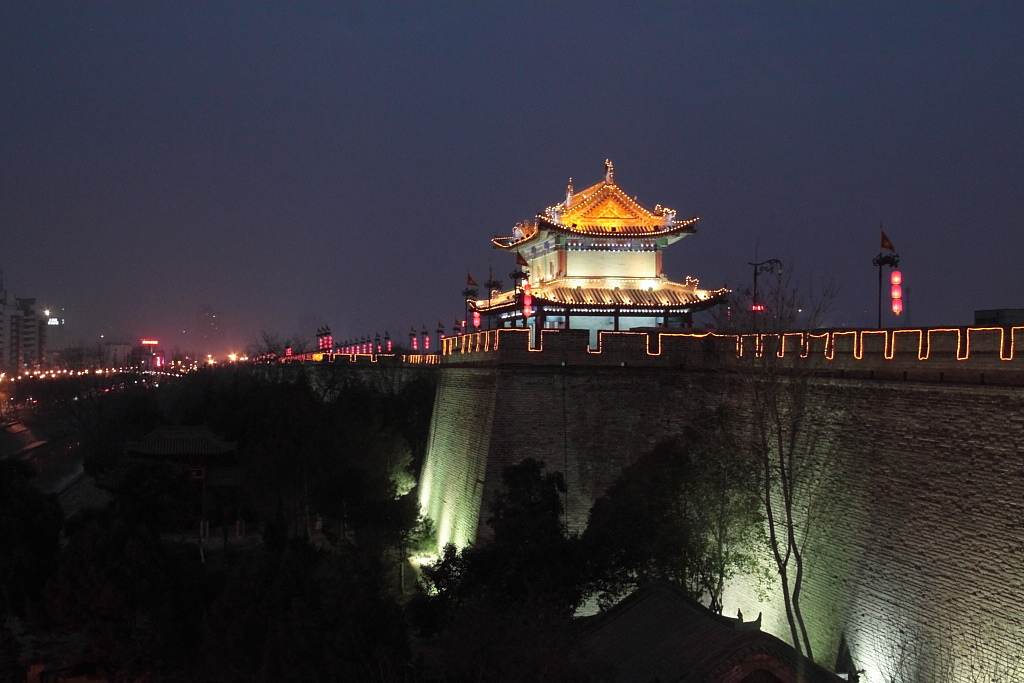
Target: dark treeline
{"points": [[686, 513], [327, 489], [324, 590]]}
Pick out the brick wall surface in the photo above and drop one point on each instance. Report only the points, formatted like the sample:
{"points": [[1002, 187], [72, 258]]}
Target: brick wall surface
{"points": [[451, 484], [921, 541]]}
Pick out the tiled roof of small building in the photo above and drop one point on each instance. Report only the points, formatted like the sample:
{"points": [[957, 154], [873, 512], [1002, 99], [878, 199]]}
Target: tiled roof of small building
{"points": [[178, 441], [657, 633]]}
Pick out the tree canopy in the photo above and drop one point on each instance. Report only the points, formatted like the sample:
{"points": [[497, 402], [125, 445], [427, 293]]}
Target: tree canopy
{"points": [[500, 603], [687, 512]]}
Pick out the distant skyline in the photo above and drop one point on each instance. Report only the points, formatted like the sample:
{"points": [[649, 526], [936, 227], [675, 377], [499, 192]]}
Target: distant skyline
{"points": [[284, 166]]}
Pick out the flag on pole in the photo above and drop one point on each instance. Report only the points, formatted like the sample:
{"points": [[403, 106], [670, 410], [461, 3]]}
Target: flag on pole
{"points": [[887, 243], [470, 282], [520, 261]]}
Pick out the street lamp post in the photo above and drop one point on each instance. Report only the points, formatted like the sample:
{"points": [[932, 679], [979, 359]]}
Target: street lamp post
{"points": [[892, 260], [762, 267], [491, 285]]}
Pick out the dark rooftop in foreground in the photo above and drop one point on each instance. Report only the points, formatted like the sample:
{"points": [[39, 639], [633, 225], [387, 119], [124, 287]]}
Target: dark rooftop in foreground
{"points": [[658, 634]]}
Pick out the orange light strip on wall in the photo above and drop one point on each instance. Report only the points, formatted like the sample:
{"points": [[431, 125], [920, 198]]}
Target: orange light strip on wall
{"points": [[788, 341], [836, 336], [659, 345], [896, 344], [859, 347], [825, 340], [602, 333], [854, 342], [1004, 353]]}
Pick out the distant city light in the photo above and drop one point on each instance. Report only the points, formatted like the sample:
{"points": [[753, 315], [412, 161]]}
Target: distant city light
{"points": [[150, 342]]}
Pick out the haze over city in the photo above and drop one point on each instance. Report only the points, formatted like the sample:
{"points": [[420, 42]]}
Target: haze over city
{"points": [[287, 166]]}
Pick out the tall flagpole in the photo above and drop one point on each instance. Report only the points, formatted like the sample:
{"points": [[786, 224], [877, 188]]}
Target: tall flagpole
{"points": [[891, 259]]}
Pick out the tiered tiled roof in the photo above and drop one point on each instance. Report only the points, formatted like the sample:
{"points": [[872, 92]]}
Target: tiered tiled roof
{"points": [[601, 210], [669, 294]]}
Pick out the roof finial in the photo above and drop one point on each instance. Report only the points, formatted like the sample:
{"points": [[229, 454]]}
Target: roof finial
{"points": [[609, 172], [568, 193]]}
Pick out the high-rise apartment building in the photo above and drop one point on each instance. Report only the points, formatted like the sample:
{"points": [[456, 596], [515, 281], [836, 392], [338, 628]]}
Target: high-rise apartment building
{"points": [[22, 333]]}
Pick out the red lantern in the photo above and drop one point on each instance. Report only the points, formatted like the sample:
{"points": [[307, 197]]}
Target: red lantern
{"points": [[896, 291], [476, 319]]}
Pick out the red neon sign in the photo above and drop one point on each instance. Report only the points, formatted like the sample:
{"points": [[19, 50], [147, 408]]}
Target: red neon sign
{"points": [[149, 342]]}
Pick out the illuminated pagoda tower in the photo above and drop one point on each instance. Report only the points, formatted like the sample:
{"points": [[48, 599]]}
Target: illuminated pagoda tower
{"points": [[594, 261]]}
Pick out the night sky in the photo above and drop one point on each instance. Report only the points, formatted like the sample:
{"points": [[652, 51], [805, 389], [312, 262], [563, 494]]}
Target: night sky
{"points": [[286, 166]]}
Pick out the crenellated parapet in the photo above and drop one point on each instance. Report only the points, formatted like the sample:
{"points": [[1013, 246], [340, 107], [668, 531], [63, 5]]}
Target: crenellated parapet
{"points": [[565, 347], [954, 354], [361, 358]]}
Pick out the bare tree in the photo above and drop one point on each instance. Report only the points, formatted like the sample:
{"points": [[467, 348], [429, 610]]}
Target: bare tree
{"points": [[788, 419], [917, 652], [268, 343]]}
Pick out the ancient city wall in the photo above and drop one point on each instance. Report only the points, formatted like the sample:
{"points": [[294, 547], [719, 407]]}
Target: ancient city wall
{"points": [[454, 473], [918, 550], [921, 552]]}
